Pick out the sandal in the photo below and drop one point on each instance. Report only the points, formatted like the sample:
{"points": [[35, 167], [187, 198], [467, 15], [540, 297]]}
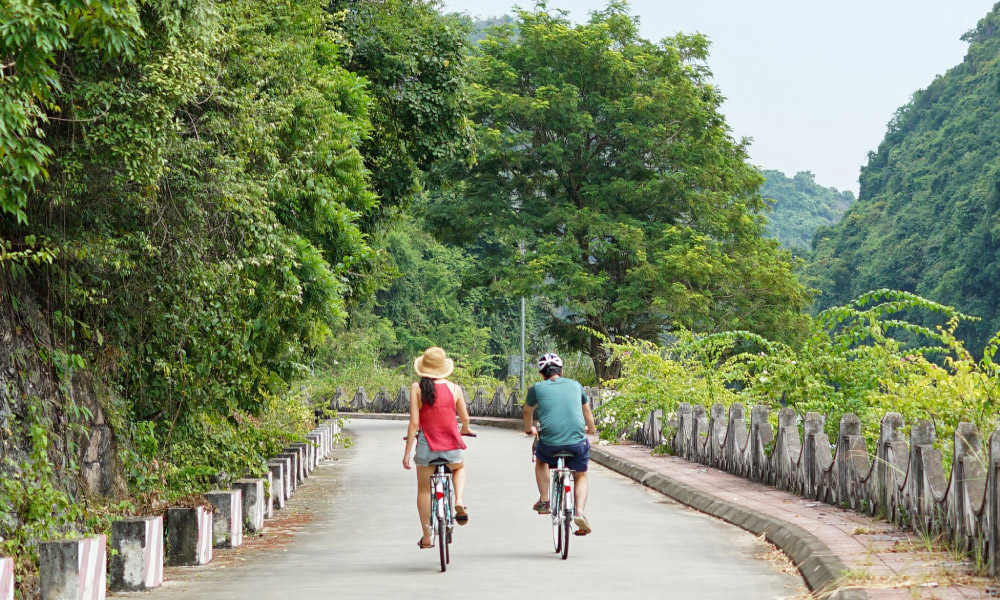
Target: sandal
{"points": [[461, 517], [420, 544]]}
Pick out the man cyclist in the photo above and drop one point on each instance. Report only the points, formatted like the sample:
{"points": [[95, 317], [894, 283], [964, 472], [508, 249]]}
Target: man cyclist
{"points": [[565, 418]]}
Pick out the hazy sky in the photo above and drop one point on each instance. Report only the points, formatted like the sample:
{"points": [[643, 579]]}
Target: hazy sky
{"points": [[813, 83]]}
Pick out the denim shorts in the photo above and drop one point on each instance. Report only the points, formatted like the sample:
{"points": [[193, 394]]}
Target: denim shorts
{"points": [[577, 462], [425, 455]]}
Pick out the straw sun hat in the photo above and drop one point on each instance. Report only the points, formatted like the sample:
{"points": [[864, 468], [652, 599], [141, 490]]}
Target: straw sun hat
{"points": [[433, 364]]}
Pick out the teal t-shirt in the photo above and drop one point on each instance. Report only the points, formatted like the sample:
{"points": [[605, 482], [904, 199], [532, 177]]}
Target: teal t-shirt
{"points": [[560, 410]]}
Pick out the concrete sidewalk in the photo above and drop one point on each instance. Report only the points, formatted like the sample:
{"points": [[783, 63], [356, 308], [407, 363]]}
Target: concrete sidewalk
{"points": [[835, 549]]}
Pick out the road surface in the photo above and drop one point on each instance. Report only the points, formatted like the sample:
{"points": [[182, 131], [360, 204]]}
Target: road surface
{"points": [[351, 532]]}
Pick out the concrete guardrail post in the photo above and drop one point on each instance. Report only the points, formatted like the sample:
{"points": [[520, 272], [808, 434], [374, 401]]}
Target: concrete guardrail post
{"points": [[73, 569], [227, 518], [302, 462], [138, 563], [293, 470], [316, 441], [6, 578], [189, 536], [254, 509], [992, 506], [268, 497], [281, 486], [305, 461]]}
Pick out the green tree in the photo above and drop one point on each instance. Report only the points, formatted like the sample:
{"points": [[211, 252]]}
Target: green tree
{"points": [[606, 157], [33, 36], [415, 61]]}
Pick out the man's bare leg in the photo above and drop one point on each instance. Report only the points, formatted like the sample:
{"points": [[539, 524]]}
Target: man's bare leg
{"points": [[542, 479], [580, 477]]}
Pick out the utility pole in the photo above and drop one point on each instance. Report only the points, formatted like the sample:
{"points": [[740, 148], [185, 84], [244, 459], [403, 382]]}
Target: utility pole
{"points": [[522, 346], [522, 329]]}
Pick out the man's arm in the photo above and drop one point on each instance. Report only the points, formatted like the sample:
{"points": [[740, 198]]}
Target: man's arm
{"points": [[588, 416], [527, 414]]}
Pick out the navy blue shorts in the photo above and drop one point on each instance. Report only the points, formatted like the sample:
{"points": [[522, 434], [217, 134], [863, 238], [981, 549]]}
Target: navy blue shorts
{"points": [[577, 462]]}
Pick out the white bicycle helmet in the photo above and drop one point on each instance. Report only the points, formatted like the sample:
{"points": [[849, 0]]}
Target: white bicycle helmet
{"points": [[550, 359]]}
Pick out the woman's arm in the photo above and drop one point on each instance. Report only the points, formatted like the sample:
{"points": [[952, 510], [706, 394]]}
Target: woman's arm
{"points": [[463, 409], [411, 432]]}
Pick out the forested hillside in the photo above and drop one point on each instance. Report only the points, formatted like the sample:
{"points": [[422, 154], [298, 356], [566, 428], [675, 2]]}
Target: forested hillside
{"points": [[926, 219], [800, 206]]}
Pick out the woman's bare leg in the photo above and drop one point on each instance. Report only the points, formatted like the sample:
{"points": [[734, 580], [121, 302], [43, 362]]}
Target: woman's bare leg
{"points": [[424, 502], [458, 477]]}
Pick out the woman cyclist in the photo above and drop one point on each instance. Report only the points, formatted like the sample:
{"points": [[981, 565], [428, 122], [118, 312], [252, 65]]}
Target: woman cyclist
{"points": [[434, 402]]}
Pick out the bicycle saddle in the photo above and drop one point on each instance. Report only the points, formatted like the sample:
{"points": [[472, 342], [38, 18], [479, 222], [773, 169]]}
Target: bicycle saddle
{"points": [[438, 461], [563, 454]]}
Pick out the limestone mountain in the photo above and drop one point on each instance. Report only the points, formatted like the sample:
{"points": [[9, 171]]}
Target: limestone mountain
{"points": [[926, 220], [800, 206]]}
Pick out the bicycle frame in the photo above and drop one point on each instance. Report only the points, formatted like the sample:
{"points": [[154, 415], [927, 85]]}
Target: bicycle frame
{"points": [[442, 498], [562, 498], [562, 489]]}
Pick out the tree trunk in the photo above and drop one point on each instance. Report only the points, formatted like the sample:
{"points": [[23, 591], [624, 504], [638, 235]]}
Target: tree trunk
{"points": [[604, 366]]}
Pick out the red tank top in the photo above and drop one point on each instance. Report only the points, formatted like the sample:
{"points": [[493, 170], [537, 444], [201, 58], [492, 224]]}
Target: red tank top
{"points": [[437, 421]]}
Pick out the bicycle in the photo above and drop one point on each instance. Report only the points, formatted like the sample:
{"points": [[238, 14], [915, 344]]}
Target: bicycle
{"points": [[442, 521], [562, 498]]}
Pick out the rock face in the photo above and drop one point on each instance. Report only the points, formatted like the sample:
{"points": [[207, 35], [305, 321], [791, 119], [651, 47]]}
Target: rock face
{"points": [[69, 409]]}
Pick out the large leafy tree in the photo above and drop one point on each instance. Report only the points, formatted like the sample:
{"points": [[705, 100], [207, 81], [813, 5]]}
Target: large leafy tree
{"points": [[605, 157], [415, 61]]}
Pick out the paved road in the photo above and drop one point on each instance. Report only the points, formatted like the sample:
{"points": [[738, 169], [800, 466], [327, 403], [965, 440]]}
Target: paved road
{"points": [[351, 532]]}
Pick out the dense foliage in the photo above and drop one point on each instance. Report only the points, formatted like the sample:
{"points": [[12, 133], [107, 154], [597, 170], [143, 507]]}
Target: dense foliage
{"points": [[850, 363], [604, 156], [926, 220], [190, 191], [800, 207], [416, 64]]}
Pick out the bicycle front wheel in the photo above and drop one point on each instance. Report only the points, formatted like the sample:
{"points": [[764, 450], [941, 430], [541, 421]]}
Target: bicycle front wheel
{"points": [[556, 521], [567, 519], [442, 536]]}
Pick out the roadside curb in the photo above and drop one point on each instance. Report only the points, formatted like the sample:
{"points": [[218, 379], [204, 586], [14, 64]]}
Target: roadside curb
{"points": [[819, 566]]}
